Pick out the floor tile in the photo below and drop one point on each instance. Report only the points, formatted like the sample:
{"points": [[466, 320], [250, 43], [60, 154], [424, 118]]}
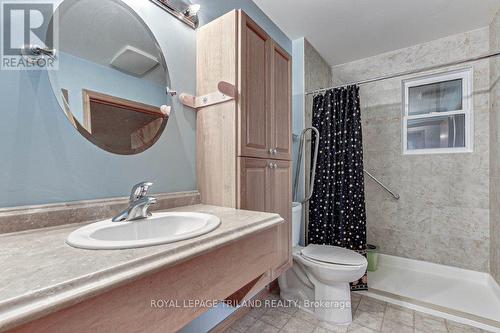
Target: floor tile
{"points": [[262, 327], [288, 307], [295, 325], [355, 328], [355, 299], [429, 324], [275, 318], [371, 320], [272, 296], [231, 330], [321, 330], [243, 324], [399, 315], [368, 304], [389, 326], [332, 328], [303, 315], [454, 327], [356, 296], [258, 312]]}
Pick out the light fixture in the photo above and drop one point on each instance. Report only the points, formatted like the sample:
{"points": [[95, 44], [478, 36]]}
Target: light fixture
{"points": [[183, 10], [192, 10]]}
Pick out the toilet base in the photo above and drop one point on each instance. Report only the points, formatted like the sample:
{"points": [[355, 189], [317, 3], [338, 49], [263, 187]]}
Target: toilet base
{"points": [[312, 299], [333, 303]]}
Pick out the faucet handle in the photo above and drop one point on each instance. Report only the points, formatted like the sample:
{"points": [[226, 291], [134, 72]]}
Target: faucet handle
{"points": [[139, 191]]}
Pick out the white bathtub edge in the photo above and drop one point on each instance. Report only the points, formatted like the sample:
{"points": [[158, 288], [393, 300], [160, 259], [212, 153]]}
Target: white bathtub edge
{"points": [[438, 269]]}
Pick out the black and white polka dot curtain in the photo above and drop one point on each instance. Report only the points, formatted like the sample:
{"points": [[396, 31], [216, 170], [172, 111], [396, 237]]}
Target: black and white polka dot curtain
{"points": [[337, 213]]}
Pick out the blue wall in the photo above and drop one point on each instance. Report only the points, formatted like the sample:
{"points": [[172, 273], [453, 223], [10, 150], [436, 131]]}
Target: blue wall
{"points": [[211, 9], [298, 107], [75, 74], [44, 160]]}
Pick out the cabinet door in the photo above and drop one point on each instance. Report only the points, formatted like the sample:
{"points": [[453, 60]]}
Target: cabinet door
{"points": [[254, 184], [281, 113], [255, 88], [281, 203]]}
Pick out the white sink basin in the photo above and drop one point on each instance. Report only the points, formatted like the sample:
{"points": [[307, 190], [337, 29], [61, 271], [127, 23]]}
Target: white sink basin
{"points": [[160, 228]]}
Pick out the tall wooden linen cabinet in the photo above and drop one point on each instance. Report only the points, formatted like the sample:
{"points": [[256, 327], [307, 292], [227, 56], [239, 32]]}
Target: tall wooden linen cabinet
{"points": [[244, 145]]}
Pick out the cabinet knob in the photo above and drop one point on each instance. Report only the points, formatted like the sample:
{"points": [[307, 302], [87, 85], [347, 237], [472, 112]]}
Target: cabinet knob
{"points": [[272, 165], [275, 151]]}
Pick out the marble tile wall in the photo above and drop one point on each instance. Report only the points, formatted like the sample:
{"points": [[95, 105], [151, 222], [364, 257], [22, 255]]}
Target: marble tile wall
{"points": [[317, 74], [495, 150], [443, 213]]}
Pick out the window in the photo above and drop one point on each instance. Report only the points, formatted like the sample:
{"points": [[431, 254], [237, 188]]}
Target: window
{"points": [[438, 113]]}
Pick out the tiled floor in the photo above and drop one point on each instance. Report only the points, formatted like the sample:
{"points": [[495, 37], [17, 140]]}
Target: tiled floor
{"points": [[370, 316]]}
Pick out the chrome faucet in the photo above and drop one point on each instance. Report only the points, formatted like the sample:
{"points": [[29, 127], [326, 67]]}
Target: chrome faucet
{"points": [[138, 204]]}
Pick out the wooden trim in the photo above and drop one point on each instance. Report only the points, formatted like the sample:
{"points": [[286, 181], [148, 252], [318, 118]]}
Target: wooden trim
{"points": [[90, 96], [87, 122], [67, 110]]}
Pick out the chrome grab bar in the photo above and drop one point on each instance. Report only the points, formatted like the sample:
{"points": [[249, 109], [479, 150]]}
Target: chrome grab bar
{"points": [[395, 195], [313, 171], [299, 160]]}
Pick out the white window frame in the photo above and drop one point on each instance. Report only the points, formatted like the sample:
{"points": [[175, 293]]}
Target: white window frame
{"points": [[467, 110]]}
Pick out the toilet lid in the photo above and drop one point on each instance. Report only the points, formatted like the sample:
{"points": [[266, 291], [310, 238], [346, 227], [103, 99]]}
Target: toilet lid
{"points": [[333, 255]]}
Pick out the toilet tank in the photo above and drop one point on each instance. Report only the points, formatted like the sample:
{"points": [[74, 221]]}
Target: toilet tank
{"points": [[296, 219]]}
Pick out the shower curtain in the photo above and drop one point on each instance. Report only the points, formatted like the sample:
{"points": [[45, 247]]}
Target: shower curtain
{"points": [[337, 213]]}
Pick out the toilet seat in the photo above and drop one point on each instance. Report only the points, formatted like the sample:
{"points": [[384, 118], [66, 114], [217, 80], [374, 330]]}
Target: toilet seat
{"points": [[331, 255], [320, 264]]}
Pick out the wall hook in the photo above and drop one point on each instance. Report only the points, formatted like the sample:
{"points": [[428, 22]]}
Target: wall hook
{"points": [[171, 92], [226, 92]]}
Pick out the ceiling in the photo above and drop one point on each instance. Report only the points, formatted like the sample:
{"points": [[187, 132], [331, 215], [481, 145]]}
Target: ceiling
{"points": [[347, 30], [97, 30]]}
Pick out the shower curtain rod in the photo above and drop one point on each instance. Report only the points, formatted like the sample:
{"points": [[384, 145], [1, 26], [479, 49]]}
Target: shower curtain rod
{"points": [[391, 76]]}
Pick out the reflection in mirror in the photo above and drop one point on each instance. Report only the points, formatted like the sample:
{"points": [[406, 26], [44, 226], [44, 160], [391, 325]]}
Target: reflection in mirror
{"points": [[112, 76]]}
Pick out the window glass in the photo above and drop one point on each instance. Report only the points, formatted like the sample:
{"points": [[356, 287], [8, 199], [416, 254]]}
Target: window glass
{"points": [[436, 132], [435, 97]]}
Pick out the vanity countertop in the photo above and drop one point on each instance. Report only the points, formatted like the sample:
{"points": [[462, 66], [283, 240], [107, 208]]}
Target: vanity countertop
{"points": [[41, 274]]}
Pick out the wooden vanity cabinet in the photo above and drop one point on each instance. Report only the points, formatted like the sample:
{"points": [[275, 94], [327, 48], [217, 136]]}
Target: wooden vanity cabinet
{"points": [[281, 99], [244, 145], [265, 94], [265, 186], [255, 90]]}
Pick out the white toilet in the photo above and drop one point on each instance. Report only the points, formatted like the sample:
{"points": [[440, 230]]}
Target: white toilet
{"points": [[320, 276]]}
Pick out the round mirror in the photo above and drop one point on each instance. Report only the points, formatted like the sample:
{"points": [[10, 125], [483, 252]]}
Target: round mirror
{"points": [[112, 77]]}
